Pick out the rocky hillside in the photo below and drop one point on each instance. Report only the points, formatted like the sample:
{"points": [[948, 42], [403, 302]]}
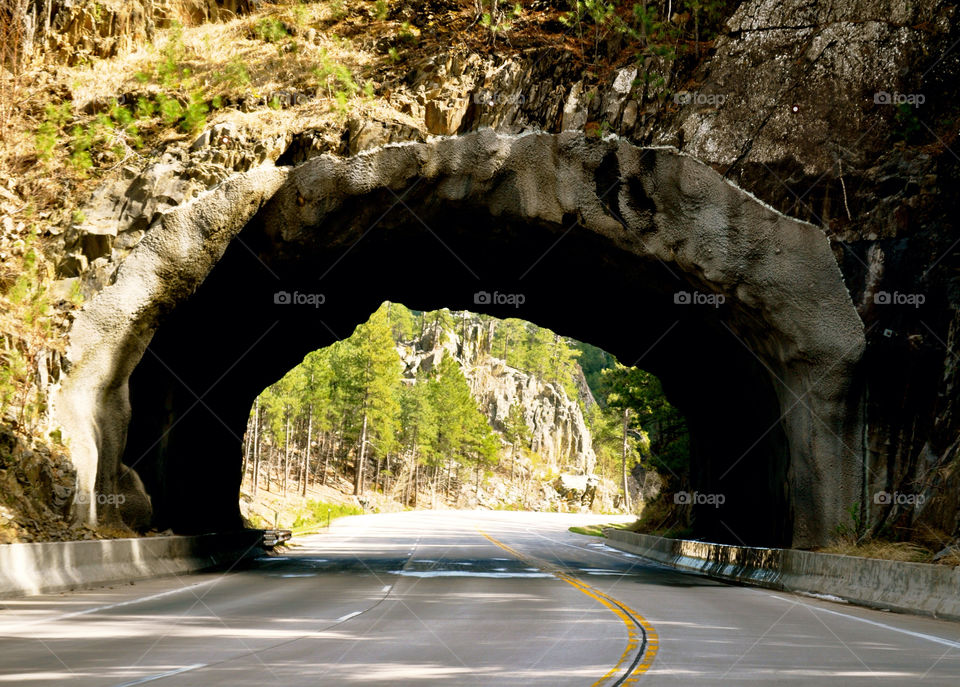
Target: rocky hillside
{"points": [[558, 431]]}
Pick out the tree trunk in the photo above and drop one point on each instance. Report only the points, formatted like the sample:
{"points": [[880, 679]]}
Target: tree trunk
{"points": [[247, 443], [286, 457], [331, 447], [623, 461], [306, 457], [358, 479], [256, 446]]}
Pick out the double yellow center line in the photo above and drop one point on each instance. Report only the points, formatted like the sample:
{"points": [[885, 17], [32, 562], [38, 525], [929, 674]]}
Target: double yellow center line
{"points": [[642, 640]]}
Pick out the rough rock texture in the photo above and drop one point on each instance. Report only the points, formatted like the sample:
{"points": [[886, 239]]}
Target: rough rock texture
{"points": [[558, 431], [111, 334], [36, 492], [798, 124], [681, 227], [75, 30]]}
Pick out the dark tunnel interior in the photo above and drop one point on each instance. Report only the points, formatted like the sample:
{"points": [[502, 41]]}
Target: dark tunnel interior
{"points": [[192, 392]]}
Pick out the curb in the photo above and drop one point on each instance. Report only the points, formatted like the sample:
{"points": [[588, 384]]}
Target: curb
{"points": [[27, 569], [920, 588]]}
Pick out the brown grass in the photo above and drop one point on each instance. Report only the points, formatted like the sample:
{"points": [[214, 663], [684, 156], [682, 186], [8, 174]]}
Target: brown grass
{"points": [[891, 551]]}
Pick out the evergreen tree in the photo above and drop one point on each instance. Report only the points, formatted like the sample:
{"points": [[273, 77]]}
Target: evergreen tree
{"points": [[517, 434], [378, 379]]}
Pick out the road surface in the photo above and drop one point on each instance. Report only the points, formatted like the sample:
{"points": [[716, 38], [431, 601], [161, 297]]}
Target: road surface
{"points": [[489, 598]]}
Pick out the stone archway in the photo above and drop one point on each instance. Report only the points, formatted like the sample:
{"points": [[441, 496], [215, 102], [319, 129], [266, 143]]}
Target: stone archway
{"points": [[601, 236]]}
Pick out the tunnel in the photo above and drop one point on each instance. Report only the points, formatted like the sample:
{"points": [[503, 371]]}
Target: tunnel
{"points": [[646, 253]]}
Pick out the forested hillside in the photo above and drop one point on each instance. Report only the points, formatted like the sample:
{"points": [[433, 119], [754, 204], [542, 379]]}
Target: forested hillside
{"points": [[457, 409]]}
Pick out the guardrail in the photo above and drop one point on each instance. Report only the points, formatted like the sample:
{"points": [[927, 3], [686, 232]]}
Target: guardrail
{"points": [[57, 566], [891, 585]]}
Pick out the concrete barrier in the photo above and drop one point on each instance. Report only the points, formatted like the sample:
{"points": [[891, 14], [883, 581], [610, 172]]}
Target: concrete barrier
{"points": [[894, 585], [56, 566]]}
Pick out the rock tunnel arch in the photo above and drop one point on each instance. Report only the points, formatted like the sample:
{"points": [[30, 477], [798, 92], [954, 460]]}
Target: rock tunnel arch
{"points": [[600, 237]]}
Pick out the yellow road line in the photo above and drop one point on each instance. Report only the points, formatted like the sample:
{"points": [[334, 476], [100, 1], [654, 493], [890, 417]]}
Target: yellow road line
{"points": [[631, 619]]}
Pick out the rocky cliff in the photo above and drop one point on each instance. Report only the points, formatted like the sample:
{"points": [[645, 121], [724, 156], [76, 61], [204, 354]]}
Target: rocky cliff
{"points": [[558, 431]]}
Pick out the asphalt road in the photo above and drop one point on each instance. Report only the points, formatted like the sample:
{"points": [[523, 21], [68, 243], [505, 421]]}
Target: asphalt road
{"points": [[425, 598]]}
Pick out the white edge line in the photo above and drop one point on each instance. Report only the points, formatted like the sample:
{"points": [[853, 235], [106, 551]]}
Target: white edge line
{"points": [[108, 607], [160, 676], [348, 616], [918, 635]]}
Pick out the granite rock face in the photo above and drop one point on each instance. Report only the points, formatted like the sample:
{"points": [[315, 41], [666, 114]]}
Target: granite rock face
{"points": [[558, 431]]}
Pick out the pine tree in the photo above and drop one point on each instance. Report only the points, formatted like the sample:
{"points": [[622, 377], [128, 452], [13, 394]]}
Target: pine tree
{"points": [[378, 375], [517, 433]]}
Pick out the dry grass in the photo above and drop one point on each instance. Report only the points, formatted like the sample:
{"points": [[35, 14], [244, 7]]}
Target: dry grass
{"points": [[891, 551]]}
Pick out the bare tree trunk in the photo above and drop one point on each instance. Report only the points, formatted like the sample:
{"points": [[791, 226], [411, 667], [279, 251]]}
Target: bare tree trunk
{"points": [[331, 447], [416, 484], [256, 445], [358, 478], [623, 461], [247, 443], [306, 457], [286, 456]]}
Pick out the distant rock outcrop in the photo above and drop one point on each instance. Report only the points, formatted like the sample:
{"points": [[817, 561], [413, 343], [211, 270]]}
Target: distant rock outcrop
{"points": [[558, 431]]}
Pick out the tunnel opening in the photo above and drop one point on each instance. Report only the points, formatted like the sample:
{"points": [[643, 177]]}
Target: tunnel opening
{"points": [[191, 393]]}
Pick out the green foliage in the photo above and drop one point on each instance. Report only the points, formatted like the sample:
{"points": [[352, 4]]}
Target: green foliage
{"points": [[380, 10], [664, 428], [498, 20], [55, 119], [319, 513], [28, 335], [338, 9], [194, 114], [145, 108], [538, 351], [271, 30], [908, 126], [170, 71], [235, 74], [170, 109]]}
